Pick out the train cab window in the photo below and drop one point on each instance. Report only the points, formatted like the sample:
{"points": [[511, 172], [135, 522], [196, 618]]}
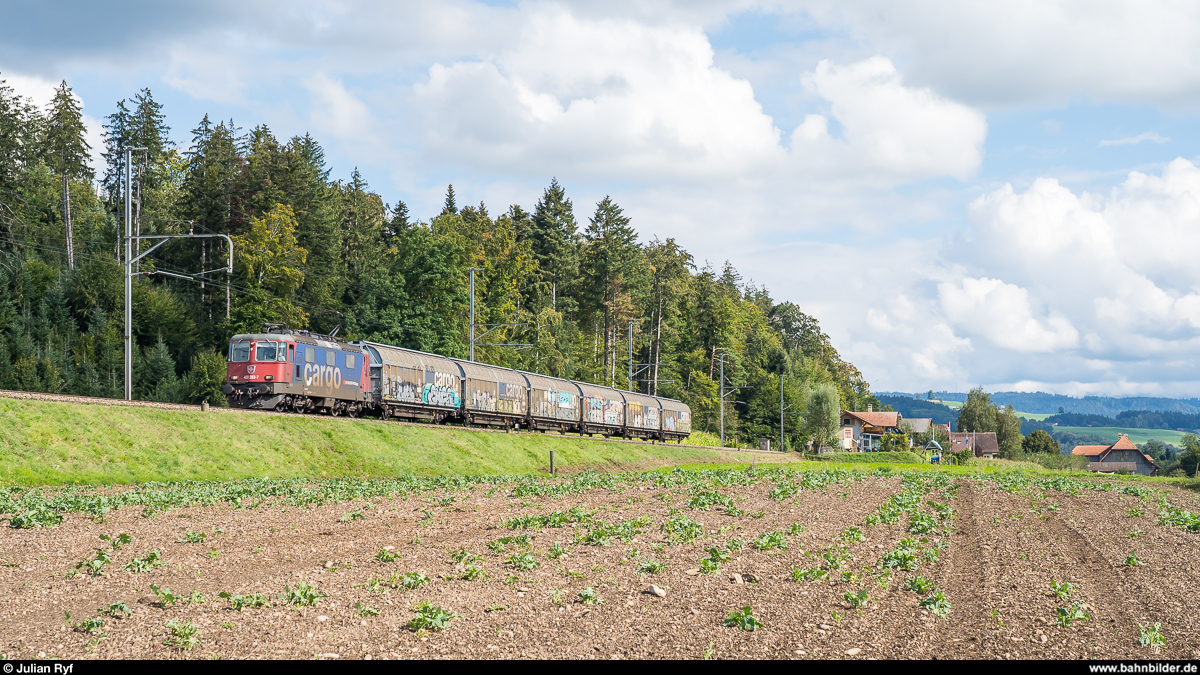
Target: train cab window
{"points": [[331, 358], [239, 352], [350, 361], [291, 354], [310, 355], [266, 351]]}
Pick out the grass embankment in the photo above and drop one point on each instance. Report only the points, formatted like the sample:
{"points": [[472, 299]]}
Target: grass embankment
{"points": [[50, 443]]}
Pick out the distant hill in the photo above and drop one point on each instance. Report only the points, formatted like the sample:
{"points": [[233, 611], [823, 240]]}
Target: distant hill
{"points": [[910, 407], [1041, 402]]}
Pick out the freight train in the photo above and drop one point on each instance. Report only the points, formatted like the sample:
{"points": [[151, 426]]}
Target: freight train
{"points": [[299, 371]]}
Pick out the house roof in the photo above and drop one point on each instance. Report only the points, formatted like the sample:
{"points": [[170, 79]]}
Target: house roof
{"points": [[982, 442], [919, 424], [1101, 451], [876, 419]]}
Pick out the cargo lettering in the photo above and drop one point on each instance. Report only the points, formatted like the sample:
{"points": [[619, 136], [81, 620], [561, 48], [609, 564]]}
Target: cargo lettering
{"points": [[322, 376]]}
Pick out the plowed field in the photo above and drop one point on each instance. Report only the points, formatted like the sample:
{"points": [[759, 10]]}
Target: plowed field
{"points": [[832, 564]]}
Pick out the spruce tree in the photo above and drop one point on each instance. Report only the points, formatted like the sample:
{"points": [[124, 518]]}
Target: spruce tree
{"points": [[450, 207], [67, 151], [552, 235]]}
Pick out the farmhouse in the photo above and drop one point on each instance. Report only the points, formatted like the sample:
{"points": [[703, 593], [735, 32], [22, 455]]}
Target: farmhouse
{"points": [[1122, 456], [863, 431], [983, 444]]}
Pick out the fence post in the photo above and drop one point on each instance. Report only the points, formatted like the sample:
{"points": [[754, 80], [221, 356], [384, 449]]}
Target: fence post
{"points": [[551, 462]]}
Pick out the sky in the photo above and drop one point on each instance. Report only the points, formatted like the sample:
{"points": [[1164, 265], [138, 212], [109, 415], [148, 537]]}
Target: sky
{"points": [[963, 193]]}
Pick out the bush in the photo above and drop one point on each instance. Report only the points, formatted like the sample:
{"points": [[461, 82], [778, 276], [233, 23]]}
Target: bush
{"points": [[1056, 462]]}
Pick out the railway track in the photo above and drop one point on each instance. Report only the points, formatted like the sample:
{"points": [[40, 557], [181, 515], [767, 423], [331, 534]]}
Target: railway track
{"points": [[117, 402]]}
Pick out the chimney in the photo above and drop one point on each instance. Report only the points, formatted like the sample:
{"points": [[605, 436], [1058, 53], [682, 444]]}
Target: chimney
{"points": [[870, 408]]}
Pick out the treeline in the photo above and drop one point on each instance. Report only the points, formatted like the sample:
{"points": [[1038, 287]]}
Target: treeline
{"points": [[1136, 419], [323, 254]]}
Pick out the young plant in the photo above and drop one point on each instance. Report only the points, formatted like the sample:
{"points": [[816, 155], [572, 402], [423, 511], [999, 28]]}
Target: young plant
{"points": [[353, 515], [852, 535], [523, 562], [796, 529], [413, 580], [770, 541], [652, 567], [95, 566], [430, 617], [471, 572], [1076, 612], [1151, 636], [918, 584], [183, 635], [556, 551], [192, 537], [142, 565], [116, 541], [589, 596], [1062, 589], [856, 600], [463, 556], [386, 556], [165, 597], [365, 610], [304, 595], [115, 609], [196, 598], [1133, 561], [240, 602], [937, 603], [743, 619]]}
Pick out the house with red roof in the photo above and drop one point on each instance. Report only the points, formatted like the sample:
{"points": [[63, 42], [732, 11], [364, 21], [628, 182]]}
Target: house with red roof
{"points": [[863, 431], [1120, 456], [980, 443]]}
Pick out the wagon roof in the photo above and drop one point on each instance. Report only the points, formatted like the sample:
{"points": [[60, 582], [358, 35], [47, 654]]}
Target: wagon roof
{"points": [[490, 373]]}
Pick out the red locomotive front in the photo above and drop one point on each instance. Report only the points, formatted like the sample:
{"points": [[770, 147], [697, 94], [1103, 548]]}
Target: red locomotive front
{"points": [[285, 369]]}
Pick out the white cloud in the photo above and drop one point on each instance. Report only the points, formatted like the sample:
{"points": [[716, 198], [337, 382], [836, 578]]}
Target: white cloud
{"points": [[1134, 140], [41, 91], [1001, 313], [1030, 51], [906, 131], [338, 112]]}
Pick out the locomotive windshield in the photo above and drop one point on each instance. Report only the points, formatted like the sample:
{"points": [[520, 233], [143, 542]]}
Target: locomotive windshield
{"points": [[269, 351], [239, 352]]}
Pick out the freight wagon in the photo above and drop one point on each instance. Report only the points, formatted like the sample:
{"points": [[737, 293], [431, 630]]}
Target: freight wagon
{"points": [[294, 370]]}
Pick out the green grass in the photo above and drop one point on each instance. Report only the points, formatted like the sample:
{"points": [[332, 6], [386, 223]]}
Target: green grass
{"points": [[1138, 436], [50, 443], [1036, 417]]}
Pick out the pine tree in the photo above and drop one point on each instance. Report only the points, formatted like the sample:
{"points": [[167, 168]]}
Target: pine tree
{"points": [[450, 207], [553, 237], [611, 262], [19, 125], [67, 152], [117, 130]]}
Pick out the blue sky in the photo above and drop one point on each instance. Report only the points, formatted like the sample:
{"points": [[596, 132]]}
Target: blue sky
{"points": [[961, 192]]}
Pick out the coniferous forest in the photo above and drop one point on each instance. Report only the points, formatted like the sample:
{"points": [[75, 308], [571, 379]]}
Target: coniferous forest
{"points": [[320, 254]]}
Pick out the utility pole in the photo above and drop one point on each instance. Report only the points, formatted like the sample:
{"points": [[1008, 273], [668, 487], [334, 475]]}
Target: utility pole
{"points": [[472, 338], [471, 349], [129, 272], [721, 383], [781, 413], [631, 355], [130, 260]]}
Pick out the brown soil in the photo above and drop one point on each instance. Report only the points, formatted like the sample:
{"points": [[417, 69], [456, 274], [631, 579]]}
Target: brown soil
{"points": [[996, 570]]}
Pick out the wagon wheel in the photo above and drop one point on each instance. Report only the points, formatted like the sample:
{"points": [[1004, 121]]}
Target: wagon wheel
{"points": [[333, 410], [385, 413]]}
